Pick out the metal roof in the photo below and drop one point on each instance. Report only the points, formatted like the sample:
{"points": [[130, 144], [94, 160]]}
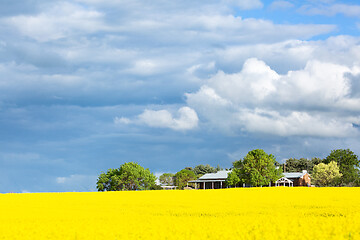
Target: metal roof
{"points": [[213, 176], [207, 180], [294, 174]]}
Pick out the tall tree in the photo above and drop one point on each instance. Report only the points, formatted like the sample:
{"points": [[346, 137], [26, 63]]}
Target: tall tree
{"points": [[326, 174], [167, 179], [201, 169], [233, 178], [348, 164], [257, 168], [129, 176], [182, 177], [297, 165]]}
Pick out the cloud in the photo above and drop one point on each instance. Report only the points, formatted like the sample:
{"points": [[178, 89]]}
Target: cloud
{"points": [[122, 120], [77, 182], [281, 5], [295, 124], [8, 7], [60, 21], [305, 102], [187, 119], [69, 67], [75, 51], [247, 4], [331, 10]]}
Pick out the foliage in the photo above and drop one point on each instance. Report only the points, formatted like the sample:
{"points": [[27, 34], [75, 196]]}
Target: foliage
{"points": [[182, 177], [167, 179], [326, 174], [201, 169], [233, 178], [257, 169], [348, 164], [130, 176], [156, 187], [218, 168], [297, 165]]}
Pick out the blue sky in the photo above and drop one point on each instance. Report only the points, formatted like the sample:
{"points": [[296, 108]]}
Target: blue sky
{"points": [[86, 85]]}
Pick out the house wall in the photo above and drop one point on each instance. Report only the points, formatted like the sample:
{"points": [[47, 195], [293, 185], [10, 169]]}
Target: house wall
{"points": [[305, 181]]}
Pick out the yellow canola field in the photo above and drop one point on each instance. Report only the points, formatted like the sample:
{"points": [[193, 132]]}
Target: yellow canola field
{"points": [[241, 213]]}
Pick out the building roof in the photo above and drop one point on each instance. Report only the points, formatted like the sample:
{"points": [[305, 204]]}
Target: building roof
{"points": [[213, 176], [295, 174]]}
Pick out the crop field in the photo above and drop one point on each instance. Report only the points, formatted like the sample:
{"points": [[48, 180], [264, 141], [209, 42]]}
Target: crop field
{"points": [[241, 213]]}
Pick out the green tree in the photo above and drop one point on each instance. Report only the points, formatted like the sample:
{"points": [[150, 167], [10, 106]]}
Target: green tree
{"points": [[316, 161], [257, 168], [218, 168], [182, 177], [348, 164], [167, 179], [297, 165], [129, 176], [291, 165], [201, 169], [326, 174], [233, 178]]}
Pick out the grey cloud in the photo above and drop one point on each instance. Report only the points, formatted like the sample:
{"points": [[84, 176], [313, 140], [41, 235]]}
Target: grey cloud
{"points": [[281, 5], [86, 50], [331, 9], [355, 85], [9, 7]]}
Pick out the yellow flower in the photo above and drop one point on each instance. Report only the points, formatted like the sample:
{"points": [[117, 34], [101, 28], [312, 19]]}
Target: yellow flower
{"points": [[241, 213]]}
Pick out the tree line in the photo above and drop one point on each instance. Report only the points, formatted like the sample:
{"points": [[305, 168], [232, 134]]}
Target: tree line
{"points": [[257, 168], [339, 168]]}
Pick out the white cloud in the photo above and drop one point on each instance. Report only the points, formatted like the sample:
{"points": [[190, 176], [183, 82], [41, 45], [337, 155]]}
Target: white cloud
{"points": [[256, 77], [187, 119], [295, 123], [145, 67], [61, 20], [122, 120], [305, 102], [159, 22]]}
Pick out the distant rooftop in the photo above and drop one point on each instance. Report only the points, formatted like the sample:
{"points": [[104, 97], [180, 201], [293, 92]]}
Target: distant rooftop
{"points": [[218, 175], [295, 174], [224, 174]]}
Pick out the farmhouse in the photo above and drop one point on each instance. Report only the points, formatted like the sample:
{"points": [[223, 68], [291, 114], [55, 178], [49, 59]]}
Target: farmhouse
{"points": [[216, 180], [297, 179], [211, 180]]}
